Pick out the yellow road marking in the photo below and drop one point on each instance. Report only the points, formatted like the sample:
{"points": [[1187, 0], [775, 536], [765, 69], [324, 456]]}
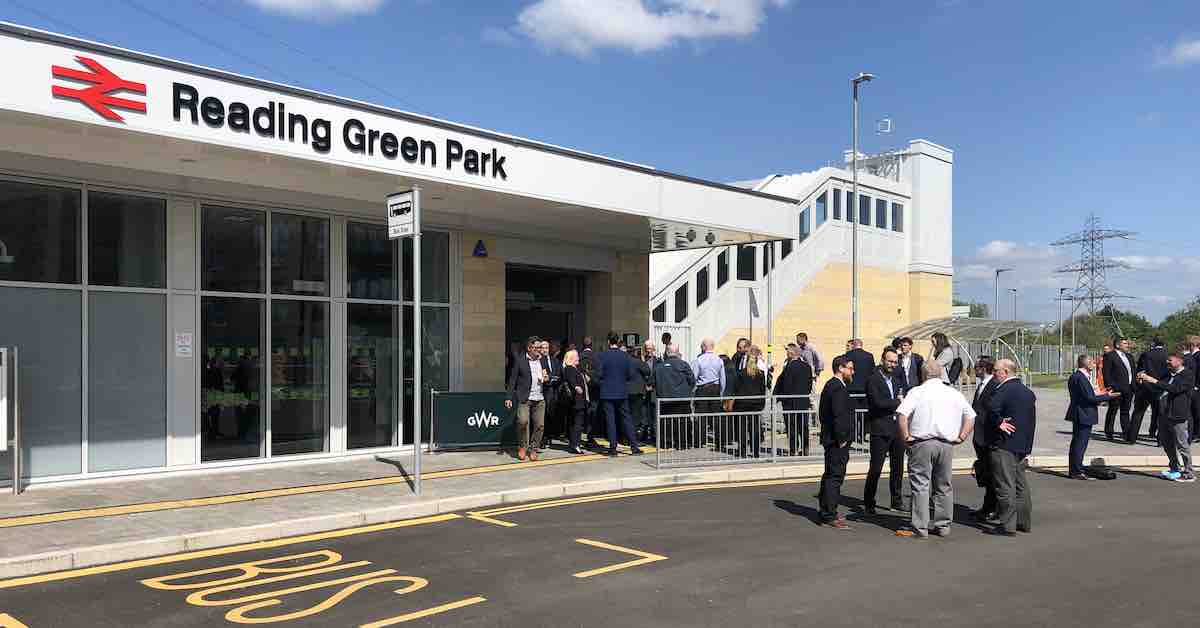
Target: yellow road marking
{"points": [[399, 619], [646, 558], [177, 504], [478, 517], [8, 621], [219, 551]]}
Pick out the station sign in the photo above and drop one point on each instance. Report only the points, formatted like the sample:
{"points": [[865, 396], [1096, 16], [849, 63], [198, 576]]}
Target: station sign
{"points": [[403, 214]]}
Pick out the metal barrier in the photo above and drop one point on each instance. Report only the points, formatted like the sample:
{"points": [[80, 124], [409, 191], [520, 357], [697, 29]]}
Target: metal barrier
{"points": [[698, 431]]}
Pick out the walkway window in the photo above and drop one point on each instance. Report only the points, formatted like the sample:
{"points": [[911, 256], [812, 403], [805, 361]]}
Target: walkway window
{"points": [[837, 203], [701, 286], [659, 315], [785, 249], [864, 209], [822, 210], [849, 206], [804, 228], [881, 208], [897, 217], [746, 259], [681, 303], [722, 268]]}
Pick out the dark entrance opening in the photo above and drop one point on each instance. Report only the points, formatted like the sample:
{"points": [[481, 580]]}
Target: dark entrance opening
{"points": [[543, 302]]}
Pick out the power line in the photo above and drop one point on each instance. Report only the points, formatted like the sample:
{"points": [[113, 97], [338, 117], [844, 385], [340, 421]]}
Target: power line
{"points": [[215, 44], [50, 18], [268, 35]]}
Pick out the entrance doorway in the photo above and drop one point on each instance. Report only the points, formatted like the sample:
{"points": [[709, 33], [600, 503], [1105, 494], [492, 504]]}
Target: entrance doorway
{"points": [[543, 302]]}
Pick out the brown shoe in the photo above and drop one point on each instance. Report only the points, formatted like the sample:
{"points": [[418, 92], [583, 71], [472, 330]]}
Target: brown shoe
{"points": [[533, 455], [521, 453], [839, 524]]}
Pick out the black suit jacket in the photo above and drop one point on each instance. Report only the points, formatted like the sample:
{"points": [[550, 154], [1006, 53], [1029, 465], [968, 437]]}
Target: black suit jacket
{"points": [[1014, 401], [1154, 362], [796, 379], [864, 364], [836, 413], [982, 405], [1116, 376], [1177, 407], [882, 403], [1085, 403], [520, 379], [918, 376]]}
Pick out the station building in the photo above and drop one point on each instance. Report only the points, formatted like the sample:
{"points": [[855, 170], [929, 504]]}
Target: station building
{"points": [[195, 268]]}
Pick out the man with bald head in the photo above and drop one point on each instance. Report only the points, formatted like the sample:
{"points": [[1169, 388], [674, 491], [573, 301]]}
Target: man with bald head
{"points": [[673, 379], [710, 377], [1011, 424]]}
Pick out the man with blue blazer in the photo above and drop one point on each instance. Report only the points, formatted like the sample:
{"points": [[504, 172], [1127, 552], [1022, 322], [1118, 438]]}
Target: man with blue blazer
{"points": [[1083, 413], [1011, 424], [615, 370]]}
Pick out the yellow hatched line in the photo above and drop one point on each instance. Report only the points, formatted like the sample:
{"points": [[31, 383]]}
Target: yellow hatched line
{"points": [[399, 619], [646, 558], [219, 551]]}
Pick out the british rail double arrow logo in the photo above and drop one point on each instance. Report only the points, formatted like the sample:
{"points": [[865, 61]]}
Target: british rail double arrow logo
{"points": [[99, 96]]}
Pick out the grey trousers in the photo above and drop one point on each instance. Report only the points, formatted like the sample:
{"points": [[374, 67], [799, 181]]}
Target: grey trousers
{"points": [[531, 422], [1174, 438], [1014, 502], [930, 467]]}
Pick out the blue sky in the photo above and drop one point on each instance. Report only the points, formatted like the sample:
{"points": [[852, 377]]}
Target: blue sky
{"points": [[1054, 109]]}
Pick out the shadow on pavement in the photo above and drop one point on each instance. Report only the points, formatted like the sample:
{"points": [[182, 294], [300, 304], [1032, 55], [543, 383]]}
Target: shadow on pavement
{"points": [[400, 468]]}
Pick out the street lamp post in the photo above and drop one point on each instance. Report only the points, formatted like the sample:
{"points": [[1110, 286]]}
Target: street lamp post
{"points": [[996, 293], [862, 77], [1060, 331], [1017, 335]]}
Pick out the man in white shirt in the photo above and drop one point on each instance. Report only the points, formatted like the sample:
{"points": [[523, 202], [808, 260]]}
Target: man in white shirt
{"points": [[933, 418]]}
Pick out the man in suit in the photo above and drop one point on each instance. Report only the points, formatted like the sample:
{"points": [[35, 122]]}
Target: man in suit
{"points": [[1194, 346], [981, 402], [740, 356], [650, 360], [525, 392], [796, 379], [1117, 371], [1083, 413], [1153, 362], [837, 432], [864, 365], [908, 369], [555, 425], [884, 395], [615, 369], [1176, 391], [1011, 425]]}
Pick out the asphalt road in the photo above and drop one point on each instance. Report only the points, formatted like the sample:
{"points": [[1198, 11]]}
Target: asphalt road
{"points": [[1119, 553]]}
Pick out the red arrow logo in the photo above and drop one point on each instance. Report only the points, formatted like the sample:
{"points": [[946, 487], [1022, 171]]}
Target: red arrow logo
{"points": [[99, 96]]}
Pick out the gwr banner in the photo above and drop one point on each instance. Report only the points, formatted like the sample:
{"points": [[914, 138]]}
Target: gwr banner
{"points": [[472, 419]]}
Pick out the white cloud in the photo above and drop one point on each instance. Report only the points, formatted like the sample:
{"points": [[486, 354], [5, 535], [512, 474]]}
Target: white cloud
{"points": [[319, 9], [1184, 52], [1006, 250], [973, 271], [580, 27], [1159, 263], [1159, 299]]}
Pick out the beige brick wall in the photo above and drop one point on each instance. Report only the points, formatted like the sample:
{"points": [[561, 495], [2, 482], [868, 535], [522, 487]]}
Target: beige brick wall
{"points": [[483, 316], [619, 301], [889, 300]]}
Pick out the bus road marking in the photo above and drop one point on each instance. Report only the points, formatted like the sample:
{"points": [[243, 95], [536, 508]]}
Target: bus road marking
{"points": [[645, 558]]}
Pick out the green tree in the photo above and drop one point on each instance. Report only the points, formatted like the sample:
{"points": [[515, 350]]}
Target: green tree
{"points": [[1180, 324]]}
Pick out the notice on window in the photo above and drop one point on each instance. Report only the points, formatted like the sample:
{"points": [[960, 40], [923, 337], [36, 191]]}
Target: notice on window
{"points": [[183, 345]]}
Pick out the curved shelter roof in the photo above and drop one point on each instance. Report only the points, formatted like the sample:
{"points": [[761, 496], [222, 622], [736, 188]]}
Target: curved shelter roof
{"points": [[964, 329]]}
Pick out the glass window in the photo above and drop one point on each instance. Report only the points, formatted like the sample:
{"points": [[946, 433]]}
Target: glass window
{"points": [[127, 240], [881, 208], [746, 259], [127, 388], [864, 209], [435, 267], [231, 246], [837, 204], [373, 364], [785, 248], [299, 255], [39, 233], [435, 365], [659, 315], [822, 210], [371, 258], [701, 286], [804, 229], [45, 325], [299, 377], [849, 206], [722, 268], [767, 262], [681, 303], [897, 217], [231, 400]]}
